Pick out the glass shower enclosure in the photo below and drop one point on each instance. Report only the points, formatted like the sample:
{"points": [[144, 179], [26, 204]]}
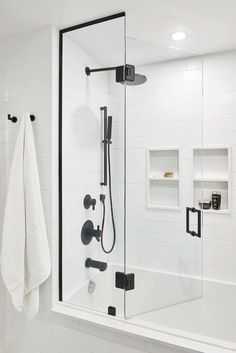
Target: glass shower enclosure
{"points": [[130, 171]]}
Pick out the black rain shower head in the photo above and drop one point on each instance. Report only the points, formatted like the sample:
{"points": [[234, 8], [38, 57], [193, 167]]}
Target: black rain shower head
{"points": [[138, 80]]}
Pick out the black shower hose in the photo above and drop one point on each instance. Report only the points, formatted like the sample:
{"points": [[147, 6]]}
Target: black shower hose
{"points": [[104, 208]]}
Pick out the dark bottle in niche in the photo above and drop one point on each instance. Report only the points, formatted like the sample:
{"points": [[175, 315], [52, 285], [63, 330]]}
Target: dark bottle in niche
{"points": [[216, 200]]}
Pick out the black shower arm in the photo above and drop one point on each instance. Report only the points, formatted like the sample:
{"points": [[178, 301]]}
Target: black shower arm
{"points": [[88, 70], [123, 73]]}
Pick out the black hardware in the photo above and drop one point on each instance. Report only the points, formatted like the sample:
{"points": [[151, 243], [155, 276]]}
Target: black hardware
{"points": [[111, 311], [104, 109], [88, 70], [88, 232], [93, 22], [101, 266], [123, 73], [192, 232], [32, 117], [125, 281], [102, 197], [60, 186], [14, 118], [107, 131], [88, 202]]}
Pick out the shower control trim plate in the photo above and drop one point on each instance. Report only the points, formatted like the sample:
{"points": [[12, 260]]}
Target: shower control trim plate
{"points": [[125, 73], [88, 232]]}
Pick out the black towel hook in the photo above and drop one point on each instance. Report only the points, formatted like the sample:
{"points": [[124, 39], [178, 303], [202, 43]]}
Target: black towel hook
{"points": [[32, 117], [14, 118]]}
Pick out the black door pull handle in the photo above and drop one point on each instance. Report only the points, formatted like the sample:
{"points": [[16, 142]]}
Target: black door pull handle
{"points": [[199, 222]]}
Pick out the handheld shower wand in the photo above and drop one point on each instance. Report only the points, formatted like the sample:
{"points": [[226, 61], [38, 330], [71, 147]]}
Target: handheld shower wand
{"points": [[107, 141]]}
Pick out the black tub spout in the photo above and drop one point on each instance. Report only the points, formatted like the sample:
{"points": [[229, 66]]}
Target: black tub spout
{"points": [[101, 266]]}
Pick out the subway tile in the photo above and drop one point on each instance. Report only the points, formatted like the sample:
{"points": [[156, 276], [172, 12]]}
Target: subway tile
{"points": [[120, 348], [153, 347], [115, 337]]}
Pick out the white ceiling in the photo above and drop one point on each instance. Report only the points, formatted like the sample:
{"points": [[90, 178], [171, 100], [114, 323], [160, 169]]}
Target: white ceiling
{"points": [[210, 24], [104, 42]]}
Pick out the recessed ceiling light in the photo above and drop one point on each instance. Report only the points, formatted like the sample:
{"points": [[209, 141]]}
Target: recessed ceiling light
{"points": [[178, 36]]}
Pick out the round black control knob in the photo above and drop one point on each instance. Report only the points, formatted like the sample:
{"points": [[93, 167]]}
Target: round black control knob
{"points": [[88, 202]]}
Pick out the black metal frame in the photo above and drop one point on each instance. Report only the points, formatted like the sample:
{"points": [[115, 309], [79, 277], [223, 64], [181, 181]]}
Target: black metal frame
{"points": [[61, 33]]}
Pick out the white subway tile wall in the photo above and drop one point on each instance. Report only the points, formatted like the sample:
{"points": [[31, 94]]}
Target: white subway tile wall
{"points": [[82, 125], [28, 72], [164, 113], [83, 172]]}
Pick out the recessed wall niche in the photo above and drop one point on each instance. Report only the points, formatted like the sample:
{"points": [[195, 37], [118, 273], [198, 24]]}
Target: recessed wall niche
{"points": [[212, 173], [163, 179]]}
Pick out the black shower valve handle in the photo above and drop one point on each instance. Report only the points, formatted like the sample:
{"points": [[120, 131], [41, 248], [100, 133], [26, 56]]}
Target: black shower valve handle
{"points": [[88, 202], [99, 234]]}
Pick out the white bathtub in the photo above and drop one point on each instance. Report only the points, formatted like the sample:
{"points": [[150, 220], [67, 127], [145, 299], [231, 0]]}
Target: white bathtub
{"points": [[210, 319]]}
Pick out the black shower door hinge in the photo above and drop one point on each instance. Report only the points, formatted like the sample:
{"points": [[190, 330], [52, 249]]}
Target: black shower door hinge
{"points": [[125, 281], [111, 310]]}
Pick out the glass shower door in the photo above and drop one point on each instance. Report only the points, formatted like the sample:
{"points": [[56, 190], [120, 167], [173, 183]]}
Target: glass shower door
{"points": [[92, 58], [163, 179]]}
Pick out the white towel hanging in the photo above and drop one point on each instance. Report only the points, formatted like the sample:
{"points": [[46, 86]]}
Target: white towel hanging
{"points": [[25, 257]]}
